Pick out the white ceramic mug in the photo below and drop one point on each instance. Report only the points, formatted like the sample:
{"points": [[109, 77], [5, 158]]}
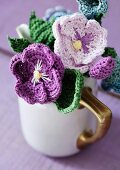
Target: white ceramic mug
{"points": [[57, 134]]}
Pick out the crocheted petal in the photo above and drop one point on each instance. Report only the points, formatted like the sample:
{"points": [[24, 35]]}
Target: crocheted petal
{"points": [[84, 69], [30, 93], [15, 59], [99, 42], [69, 99], [61, 48], [36, 52], [103, 68], [21, 70], [53, 87], [56, 28], [58, 65], [74, 23], [69, 56], [66, 25], [40, 93], [26, 91]]}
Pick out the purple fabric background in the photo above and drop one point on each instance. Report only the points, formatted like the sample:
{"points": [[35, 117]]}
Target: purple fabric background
{"points": [[15, 154]]}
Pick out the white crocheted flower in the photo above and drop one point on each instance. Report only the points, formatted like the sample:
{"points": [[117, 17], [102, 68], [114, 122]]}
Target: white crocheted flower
{"points": [[78, 40]]}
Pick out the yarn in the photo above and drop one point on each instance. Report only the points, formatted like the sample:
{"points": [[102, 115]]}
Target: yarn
{"points": [[110, 52], [113, 81], [41, 31], [18, 45], [103, 68], [46, 85], [93, 8], [72, 85], [78, 41], [56, 12]]}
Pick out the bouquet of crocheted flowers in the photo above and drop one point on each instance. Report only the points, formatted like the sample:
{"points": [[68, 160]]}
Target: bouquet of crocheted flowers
{"points": [[55, 55]]}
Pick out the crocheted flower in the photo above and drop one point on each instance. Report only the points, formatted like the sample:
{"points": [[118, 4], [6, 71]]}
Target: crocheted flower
{"points": [[39, 74], [54, 13], [78, 40], [102, 68], [113, 81], [93, 8]]}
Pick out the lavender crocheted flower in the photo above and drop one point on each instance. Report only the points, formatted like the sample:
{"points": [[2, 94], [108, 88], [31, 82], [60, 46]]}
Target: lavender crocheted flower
{"points": [[78, 41], [39, 74]]}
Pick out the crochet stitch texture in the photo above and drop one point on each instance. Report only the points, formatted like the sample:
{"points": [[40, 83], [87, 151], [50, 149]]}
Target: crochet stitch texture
{"points": [[69, 99], [110, 52], [18, 45], [113, 81], [93, 8], [78, 41], [41, 31], [56, 12], [39, 74], [103, 68]]}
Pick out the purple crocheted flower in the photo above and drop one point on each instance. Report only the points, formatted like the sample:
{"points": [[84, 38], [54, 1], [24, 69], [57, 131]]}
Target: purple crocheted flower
{"points": [[102, 68], [39, 74], [78, 40]]}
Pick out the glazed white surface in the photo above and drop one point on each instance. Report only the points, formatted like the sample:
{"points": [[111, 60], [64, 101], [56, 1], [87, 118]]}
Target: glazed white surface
{"points": [[51, 132]]}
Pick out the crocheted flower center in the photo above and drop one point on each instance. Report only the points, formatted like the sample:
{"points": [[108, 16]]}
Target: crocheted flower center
{"points": [[77, 45], [37, 75], [82, 42]]}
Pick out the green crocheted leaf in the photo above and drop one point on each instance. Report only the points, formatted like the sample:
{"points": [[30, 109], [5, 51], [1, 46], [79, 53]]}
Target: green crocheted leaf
{"points": [[110, 52], [18, 45], [41, 31], [69, 99], [99, 17]]}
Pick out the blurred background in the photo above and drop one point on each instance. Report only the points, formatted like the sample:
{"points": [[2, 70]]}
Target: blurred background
{"points": [[15, 154]]}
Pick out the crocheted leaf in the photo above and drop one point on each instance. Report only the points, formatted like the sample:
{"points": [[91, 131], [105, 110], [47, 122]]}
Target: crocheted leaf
{"points": [[99, 17], [69, 99], [110, 52], [41, 31], [18, 45]]}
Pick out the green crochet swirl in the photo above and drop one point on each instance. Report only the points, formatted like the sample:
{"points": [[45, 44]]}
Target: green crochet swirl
{"points": [[69, 99], [41, 31]]}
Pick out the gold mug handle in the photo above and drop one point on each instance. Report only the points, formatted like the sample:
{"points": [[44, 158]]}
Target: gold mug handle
{"points": [[101, 112]]}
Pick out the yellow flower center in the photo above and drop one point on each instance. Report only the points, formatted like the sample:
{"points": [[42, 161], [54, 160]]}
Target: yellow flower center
{"points": [[37, 75], [77, 45]]}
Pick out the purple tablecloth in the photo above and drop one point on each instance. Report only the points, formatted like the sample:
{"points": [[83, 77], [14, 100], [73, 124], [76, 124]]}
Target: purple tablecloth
{"points": [[15, 154]]}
